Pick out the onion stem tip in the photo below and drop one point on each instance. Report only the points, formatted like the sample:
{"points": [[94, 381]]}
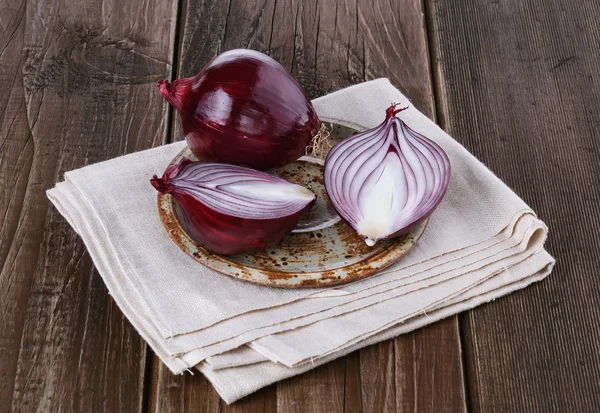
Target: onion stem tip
{"points": [[162, 185], [392, 111]]}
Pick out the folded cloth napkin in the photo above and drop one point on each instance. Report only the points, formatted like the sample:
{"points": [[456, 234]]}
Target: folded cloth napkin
{"points": [[251, 372], [506, 281], [482, 241]]}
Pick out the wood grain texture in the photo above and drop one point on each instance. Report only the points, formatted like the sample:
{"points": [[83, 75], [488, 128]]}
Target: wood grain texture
{"points": [[352, 384], [420, 371], [181, 393], [81, 78], [378, 378], [428, 364], [328, 46], [15, 163], [414, 372], [194, 394], [319, 390], [518, 86], [307, 40]]}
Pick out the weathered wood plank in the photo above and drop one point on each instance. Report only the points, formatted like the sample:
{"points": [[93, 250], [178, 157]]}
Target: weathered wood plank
{"points": [[352, 384], [319, 390], [421, 371], [15, 163], [194, 394], [182, 393], [202, 28], [264, 401], [518, 86], [327, 47], [335, 47], [414, 372], [428, 363], [395, 46], [84, 92], [305, 40], [378, 378]]}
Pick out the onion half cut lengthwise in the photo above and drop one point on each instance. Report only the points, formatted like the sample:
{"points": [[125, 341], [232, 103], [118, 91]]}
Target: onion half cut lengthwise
{"points": [[244, 108], [230, 209], [386, 180]]}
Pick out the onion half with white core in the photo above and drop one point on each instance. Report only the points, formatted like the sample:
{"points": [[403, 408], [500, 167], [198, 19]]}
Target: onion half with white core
{"points": [[231, 209], [386, 180]]}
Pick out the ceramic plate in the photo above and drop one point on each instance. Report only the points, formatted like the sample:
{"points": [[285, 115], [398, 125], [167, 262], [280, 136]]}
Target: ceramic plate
{"points": [[323, 250]]}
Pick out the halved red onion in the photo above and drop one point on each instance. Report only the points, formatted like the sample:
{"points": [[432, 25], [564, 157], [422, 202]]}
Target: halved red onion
{"points": [[386, 180], [231, 209]]}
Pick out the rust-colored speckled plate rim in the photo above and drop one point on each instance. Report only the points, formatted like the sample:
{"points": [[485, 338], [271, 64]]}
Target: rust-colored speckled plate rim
{"points": [[383, 258]]}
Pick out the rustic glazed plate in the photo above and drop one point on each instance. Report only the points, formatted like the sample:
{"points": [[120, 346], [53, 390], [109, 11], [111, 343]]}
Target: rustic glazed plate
{"points": [[323, 250]]}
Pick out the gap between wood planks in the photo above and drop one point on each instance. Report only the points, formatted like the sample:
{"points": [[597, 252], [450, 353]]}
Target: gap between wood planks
{"points": [[178, 44]]}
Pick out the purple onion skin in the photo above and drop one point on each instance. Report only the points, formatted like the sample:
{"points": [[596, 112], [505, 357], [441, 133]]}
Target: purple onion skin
{"points": [[227, 235], [221, 233], [244, 108]]}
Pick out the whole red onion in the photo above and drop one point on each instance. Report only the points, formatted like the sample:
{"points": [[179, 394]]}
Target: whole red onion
{"points": [[244, 108], [230, 209]]}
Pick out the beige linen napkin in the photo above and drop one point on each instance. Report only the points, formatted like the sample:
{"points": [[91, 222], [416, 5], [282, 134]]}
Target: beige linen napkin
{"points": [[234, 382], [326, 336], [297, 346], [189, 313]]}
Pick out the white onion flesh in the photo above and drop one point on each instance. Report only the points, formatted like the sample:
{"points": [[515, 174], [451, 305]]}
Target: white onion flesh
{"points": [[241, 192]]}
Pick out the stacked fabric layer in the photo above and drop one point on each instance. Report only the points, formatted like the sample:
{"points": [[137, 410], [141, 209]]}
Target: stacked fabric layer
{"points": [[482, 242]]}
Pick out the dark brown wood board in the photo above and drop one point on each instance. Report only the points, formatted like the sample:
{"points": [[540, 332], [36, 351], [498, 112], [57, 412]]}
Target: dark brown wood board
{"points": [[518, 86], [15, 144], [328, 46], [80, 81]]}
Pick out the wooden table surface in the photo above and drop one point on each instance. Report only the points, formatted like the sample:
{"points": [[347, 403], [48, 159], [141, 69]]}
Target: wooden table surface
{"points": [[515, 81]]}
